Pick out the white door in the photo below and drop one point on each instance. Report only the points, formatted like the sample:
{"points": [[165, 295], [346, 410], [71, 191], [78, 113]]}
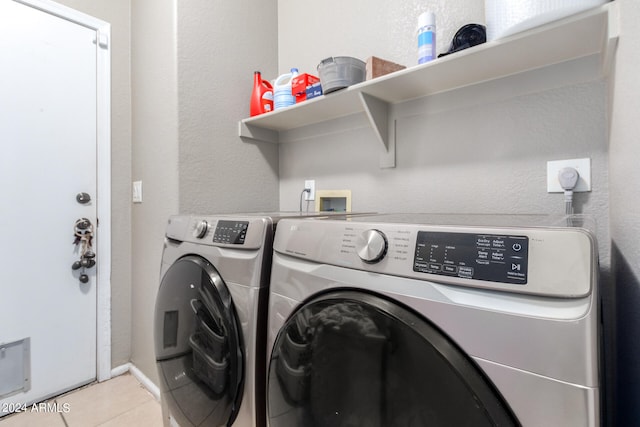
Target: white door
{"points": [[48, 131]]}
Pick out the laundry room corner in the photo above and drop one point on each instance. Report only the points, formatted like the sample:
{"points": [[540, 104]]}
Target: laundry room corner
{"points": [[176, 101], [155, 162], [186, 150]]}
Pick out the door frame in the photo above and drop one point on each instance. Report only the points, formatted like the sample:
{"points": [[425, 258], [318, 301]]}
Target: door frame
{"points": [[103, 173]]}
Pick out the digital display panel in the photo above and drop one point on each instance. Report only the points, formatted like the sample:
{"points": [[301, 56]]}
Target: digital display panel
{"points": [[231, 232], [495, 258]]}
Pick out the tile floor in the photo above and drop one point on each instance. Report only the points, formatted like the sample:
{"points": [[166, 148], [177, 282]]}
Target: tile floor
{"points": [[120, 402]]}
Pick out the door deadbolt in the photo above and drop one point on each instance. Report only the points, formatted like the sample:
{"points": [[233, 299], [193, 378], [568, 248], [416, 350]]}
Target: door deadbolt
{"points": [[83, 198]]}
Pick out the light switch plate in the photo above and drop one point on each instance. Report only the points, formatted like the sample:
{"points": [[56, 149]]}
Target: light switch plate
{"points": [[137, 191]]}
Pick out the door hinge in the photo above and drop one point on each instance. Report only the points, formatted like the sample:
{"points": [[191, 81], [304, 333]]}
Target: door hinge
{"points": [[103, 40]]}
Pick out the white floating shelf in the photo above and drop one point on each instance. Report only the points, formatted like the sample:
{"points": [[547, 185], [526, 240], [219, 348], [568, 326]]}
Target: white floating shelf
{"points": [[593, 32]]}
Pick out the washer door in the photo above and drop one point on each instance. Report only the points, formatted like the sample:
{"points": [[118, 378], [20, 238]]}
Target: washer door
{"points": [[354, 359], [198, 345]]}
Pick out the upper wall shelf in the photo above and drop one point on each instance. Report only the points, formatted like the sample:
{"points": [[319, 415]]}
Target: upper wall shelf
{"points": [[593, 32]]}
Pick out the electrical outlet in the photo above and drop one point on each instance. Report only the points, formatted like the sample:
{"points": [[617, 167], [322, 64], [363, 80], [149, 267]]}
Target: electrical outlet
{"points": [[583, 166], [311, 185]]}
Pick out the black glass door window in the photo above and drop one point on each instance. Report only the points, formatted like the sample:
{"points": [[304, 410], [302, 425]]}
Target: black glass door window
{"points": [[198, 345], [351, 359]]}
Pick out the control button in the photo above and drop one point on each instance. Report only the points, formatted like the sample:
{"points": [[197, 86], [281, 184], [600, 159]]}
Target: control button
{"points": [[371, 246], [482, 241], [453, 269], [498, 243], [465, 271], [497, 255], [435, 267], [201, 229], [517, 247]]}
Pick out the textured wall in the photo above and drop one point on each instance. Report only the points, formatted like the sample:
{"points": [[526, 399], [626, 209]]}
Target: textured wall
{"points": [[309, 31], [478, 149], [155, 161], [193, 65], [117, 13], [478, 159], [625, 205], [220, 44]]}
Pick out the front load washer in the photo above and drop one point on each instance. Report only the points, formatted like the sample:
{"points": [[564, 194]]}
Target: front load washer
{"points": [[416, 320], [210, 317]]}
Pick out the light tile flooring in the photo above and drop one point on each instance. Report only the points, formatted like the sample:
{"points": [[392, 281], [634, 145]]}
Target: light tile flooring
{"points": [[120, 402]]}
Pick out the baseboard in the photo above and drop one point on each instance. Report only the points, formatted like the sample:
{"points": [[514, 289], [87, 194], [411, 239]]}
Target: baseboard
{"points": [[119, 370], [140, 376]]}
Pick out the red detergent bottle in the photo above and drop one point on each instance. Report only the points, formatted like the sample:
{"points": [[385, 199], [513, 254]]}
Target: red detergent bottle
{"points": [[262, 96]]}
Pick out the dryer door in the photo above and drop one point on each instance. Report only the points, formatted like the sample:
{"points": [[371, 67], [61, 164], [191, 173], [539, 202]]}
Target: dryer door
{"points": [[354, 359], [198, 345]]}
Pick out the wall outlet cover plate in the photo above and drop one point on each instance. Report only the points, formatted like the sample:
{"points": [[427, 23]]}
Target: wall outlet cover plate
{"points": [[583, 166]]}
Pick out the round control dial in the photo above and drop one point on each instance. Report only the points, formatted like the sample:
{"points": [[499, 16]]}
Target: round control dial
{"points": [[371, 246], [201, 229]]}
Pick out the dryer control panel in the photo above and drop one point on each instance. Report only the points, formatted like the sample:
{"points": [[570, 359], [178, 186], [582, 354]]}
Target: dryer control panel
{"points": [[490, 257], [231, 232], [237, 232]]}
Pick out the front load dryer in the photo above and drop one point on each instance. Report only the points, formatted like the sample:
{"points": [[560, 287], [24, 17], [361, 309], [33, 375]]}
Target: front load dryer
{"points": [[210, 317], [210, 302], [414, 320]]}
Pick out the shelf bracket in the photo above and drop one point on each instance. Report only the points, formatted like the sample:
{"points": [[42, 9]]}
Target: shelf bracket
{"points": [[377, 112], [611, 38], [247, 131]]}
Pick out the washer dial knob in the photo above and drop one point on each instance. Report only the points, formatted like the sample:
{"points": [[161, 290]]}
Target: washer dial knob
{"points": [[371, 246], [201, 229]]}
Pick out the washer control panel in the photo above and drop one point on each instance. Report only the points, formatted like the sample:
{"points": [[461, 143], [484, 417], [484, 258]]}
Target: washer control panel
{"points": [[231, 232], [489, 257], [554, 261]]}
